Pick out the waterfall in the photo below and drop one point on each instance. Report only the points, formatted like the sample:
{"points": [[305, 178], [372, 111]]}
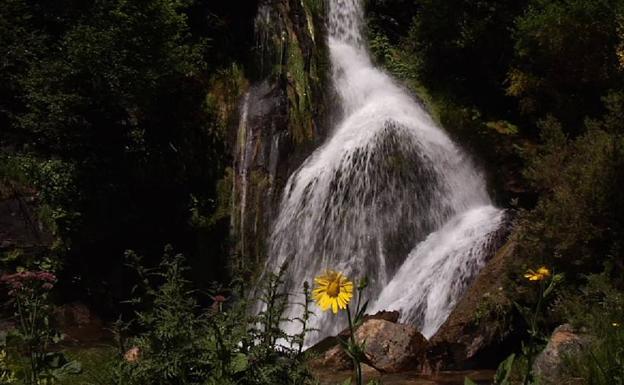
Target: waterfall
{"points": [[388, 196]]}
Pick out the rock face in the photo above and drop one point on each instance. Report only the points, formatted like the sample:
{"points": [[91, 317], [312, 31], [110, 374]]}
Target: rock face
{"points": [[282, 118], [564, 341], [20, 229], [474, 335], [390, 347]]}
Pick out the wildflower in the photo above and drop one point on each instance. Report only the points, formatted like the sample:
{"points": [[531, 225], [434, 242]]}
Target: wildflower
{"points": [[133, 354], [541, 274], [218, 298], [28, 281], [217, 304], [615, 325], [333, 289]]}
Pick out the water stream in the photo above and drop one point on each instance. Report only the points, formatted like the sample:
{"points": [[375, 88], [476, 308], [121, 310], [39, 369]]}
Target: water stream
{"points": [[388, 196]]}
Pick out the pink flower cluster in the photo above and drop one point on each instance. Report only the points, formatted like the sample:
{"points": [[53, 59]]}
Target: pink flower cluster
{"points": [[28, 280]]}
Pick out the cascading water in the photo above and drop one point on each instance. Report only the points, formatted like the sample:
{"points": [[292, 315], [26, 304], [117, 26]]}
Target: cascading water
{"points": [[388, 196]]}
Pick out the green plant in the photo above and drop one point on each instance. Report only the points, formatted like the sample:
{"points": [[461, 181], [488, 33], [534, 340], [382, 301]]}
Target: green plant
{"points": [[547, 283], [599, 314], [277, 357], [334, 291], [7, 376], [177, 341], [603, 362], [29, 293], [354, 349], [168, 349]]}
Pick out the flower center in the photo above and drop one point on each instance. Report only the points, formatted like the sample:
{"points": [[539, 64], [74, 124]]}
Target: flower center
{"points": [[333, 289]]}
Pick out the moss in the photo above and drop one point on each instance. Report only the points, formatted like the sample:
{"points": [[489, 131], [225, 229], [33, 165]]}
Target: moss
{"points": [[261, 182], [224, 196], [299, 93], [226, 87]]}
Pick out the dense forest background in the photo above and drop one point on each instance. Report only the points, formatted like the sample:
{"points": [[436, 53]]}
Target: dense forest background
{"points": [[114, 127], [108, 123]]}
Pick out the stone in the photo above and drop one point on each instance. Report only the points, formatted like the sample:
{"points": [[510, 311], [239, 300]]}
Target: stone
{"points": [[565, 341], [331, 341], [475, 335], [20, 228], [389, 347], [78, 324]]}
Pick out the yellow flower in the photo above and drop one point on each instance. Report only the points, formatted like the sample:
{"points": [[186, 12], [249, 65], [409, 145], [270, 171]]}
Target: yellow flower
{"points": [[541, 274], [333, 289]]}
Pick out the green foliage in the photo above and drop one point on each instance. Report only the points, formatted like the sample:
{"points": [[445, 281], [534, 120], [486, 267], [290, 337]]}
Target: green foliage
{"points": [[7, 376], [463, 47], [599, 315], [99, 366], [533, 317], [579, 215], [107, 118], [181, 342], [565, 58], [29, 293], [172, 338], [503, 373]]}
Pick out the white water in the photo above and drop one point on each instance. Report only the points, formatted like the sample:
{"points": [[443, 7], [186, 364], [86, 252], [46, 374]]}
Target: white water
{"points": [[388, 196]]}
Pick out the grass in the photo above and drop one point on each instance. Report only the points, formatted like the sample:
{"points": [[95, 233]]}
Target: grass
{"points": [[98, 365]]}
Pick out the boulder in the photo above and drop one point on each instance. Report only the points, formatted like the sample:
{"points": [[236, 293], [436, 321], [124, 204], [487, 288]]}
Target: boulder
{"points": [[329, 342], [20, 227], [565, 341], [79, 324], [476, 333], [389, 347]]}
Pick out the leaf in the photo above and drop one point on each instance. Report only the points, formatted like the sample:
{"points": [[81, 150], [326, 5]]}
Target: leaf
{"points": [[503, 127], [504, 371], [524, 312], [360, 315], [239, 363], [468, 381], [72, 367], [347, 381], [553, 283]]}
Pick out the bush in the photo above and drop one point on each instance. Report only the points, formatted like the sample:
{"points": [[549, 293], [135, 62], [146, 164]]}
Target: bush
{"points": [[600, 314], [178, 341]]}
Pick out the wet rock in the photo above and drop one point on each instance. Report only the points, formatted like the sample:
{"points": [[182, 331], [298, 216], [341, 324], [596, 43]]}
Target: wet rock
{"points": [[332, 341], [392, 347], [390, 316], [20, 228], [565, 341], [389, 347], [477, 333], [334, 359]]}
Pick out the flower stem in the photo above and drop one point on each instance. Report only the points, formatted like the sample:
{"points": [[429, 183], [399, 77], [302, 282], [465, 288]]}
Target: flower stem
{"points": [[356, 362]]}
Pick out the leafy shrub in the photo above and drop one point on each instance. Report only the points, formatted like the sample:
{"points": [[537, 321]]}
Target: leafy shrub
{"points": [[178, 341], [600, 314], [29, 296], [565, 58]]}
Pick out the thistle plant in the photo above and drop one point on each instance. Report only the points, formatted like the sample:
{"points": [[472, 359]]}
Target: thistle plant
{"points": [[334, 291]]}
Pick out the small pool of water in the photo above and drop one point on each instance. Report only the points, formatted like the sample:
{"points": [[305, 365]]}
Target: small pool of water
{"points": [[481, 377]]}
